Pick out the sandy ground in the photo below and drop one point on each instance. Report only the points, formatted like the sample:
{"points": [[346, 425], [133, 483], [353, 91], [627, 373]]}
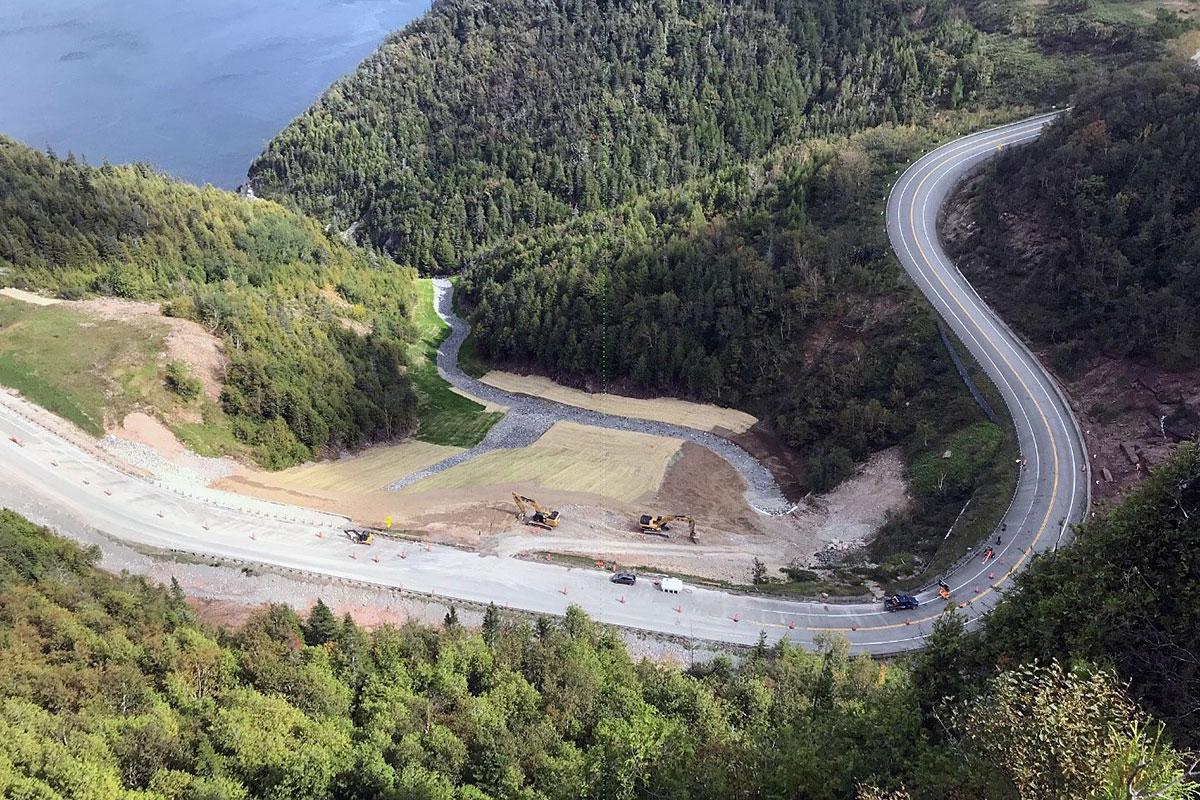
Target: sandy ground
{"points": [[848, 516], [369, 470], [593, 526], [141, 428], [677, 412], [619, 464]]}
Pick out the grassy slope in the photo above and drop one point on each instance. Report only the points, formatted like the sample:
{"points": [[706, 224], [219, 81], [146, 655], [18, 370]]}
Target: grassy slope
{"points": [[445, 417], [83, 369], [93, 371]]}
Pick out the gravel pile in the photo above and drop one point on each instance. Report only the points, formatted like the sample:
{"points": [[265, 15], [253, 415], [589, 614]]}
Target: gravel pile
{"points": [[529, 417], [185, 470]]}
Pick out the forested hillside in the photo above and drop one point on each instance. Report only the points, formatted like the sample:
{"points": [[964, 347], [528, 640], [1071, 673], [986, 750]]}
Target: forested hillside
{"points": [[1091, 235], [111, 690], [1125, 593], [490, 117], [1088, 241], [768, 287], [757, 288], [316, 360]]}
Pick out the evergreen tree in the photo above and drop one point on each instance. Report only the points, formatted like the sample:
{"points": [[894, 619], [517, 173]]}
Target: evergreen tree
{"points": [[491, 625], [321, 626]]}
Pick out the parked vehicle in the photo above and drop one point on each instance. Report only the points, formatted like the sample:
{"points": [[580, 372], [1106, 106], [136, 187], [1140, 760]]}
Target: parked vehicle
{"points": [[624, 578]]}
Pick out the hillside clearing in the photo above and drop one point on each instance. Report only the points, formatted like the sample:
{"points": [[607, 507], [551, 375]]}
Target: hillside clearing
{"points": [[96, 362], [83, 368]]}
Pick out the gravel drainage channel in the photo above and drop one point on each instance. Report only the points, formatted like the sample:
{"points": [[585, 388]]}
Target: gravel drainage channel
{"points": [[529, 417]]}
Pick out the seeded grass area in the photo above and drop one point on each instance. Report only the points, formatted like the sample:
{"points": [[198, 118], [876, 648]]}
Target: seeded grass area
{"points": [[368, 471], [82, 368], [570, 457], [445, 417]]}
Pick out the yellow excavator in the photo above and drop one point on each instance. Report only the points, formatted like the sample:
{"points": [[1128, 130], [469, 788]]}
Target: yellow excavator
{"points": [[657, 525], [540, 516], [360, 535]]}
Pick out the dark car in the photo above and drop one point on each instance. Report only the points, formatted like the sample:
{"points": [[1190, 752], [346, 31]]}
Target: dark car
{"points": [[626, 578], [900, 602]]}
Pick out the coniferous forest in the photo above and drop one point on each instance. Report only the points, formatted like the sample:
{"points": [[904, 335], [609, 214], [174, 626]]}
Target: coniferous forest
{"points": [[485, 119], [113, 689], [301, 380], [674, 197], [1095, 227]]}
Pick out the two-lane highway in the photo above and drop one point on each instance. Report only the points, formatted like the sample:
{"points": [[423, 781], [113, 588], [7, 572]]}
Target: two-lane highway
{"points": [[1054, 487], [1051, 493]]}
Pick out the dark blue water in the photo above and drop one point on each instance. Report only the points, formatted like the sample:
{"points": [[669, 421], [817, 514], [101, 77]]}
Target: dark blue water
{"points": [[195, 87]]}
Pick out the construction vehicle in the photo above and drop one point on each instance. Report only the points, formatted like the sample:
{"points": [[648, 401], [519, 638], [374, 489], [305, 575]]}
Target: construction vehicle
{"points": [[360, 535], [540, 517], [656, 525]]}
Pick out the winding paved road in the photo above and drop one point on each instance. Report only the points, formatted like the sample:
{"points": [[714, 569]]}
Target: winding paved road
{"points": [[1051, 494]]}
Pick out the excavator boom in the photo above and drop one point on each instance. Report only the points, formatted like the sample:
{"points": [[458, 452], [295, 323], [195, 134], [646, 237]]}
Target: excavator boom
{"points": [[657, 525], [540, 516]]}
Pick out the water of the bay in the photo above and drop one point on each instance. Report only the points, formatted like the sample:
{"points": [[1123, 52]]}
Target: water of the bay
{"points": [[195, 87]]}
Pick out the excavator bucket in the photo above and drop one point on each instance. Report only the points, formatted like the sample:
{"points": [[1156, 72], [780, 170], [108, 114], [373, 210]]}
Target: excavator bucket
{"points": [[540, 517]]}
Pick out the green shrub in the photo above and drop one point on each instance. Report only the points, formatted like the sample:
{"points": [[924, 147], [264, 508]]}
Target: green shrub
{"points": [[181, 381]]}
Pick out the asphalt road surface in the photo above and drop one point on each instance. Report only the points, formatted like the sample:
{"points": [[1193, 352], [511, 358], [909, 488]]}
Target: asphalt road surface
{"points": [[1051, 494]]}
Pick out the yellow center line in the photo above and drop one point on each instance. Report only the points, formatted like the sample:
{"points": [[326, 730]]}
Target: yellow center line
{"points": [[1041, 412]]}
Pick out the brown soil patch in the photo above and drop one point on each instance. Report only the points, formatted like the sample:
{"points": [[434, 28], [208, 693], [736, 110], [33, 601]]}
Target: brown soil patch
{"points": [[702, 416], [29, 297], [784, 463], [1132, 413], [702, 484], [698, 482], [187, 341], [145, 429]]}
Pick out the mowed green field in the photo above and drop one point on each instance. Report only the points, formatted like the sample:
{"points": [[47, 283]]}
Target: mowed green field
{"points": [[446, 418], [78, 366]]}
